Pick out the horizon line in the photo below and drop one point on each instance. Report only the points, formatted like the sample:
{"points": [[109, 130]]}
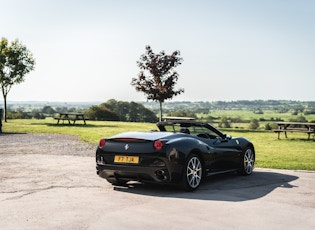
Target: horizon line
{"points": [[44, 101]]}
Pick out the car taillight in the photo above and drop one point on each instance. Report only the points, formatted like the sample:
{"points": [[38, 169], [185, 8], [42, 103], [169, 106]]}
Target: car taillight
{"points": [[158, 144], [102, 143]]}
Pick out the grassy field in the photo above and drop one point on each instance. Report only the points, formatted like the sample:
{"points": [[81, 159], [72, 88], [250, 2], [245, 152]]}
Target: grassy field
{"points": [[296, 152], [267, 114]]}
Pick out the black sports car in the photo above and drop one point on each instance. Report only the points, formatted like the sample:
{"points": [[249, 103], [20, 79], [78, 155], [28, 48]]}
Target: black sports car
{"points": [[181, 152]]}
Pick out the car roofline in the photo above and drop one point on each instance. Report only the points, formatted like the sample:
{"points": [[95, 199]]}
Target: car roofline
{"points": [[188, 123]]}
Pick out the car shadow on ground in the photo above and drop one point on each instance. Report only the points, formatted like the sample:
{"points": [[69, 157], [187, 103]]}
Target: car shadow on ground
{"points": [[225, 187]]}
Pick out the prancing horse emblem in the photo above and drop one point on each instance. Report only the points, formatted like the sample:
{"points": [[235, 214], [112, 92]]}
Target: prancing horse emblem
{"points": [[126, 146]]}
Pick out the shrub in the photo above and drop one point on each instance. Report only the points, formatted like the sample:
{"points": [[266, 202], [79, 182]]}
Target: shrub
{"points": [[18, 115], [254, 124], [101, 113], [309, 111], [224, 123], [38, 115], [271, 126]]}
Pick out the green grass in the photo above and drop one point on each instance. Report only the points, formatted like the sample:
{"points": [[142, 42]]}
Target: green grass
{"points": [[248, 115], [92, 132], [296, 152]]}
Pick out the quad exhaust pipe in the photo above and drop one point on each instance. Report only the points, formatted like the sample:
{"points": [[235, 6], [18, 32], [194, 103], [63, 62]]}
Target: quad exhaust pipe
{"points": [[161, 174]]}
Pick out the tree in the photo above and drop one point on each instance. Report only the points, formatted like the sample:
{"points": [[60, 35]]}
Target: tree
{"points": [[157, 77], [254, 124], [130, 111], [48, 110], [182, 113], [101, 113], [15, 62], [224, 123]]}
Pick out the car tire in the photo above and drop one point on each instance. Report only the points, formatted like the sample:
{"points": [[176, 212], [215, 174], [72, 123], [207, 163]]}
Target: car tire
{"points": [[192, 173], [248, 161]]}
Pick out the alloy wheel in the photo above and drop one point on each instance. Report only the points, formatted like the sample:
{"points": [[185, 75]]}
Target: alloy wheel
{"points": [[249, 161], [194, 172]]}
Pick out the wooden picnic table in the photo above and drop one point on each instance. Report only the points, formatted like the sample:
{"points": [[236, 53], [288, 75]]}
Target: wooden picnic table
{"points": [[66, 116], [303, 127]]}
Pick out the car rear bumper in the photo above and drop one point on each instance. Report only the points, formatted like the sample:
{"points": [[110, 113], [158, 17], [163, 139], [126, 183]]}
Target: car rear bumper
{"points": [[128, 173]]}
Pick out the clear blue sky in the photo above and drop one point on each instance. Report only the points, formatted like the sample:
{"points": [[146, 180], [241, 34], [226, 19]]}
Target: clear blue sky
{"points": [[232, 49]]}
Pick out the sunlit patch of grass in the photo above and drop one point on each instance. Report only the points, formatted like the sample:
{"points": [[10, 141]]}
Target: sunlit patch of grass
{"points": [[295, 152], [92, 132]]}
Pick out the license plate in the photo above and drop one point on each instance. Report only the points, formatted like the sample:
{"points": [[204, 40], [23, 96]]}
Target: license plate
{"points": [[126, 159]]}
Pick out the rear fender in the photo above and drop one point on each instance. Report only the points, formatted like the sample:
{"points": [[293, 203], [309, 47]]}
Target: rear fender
{"points": [[178, 150]]}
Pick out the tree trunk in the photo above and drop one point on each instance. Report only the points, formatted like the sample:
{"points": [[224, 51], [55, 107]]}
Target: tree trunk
{"points": [[0, 124], [5, 108], [161, 111]]}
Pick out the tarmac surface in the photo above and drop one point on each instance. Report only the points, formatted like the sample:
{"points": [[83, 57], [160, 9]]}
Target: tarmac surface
{"points": [[44, 186]]}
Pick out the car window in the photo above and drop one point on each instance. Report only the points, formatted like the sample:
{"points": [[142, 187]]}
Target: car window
{"points": [[204, 132]]}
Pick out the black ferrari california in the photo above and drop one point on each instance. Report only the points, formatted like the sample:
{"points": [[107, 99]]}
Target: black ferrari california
{"points": [[181, 152]]}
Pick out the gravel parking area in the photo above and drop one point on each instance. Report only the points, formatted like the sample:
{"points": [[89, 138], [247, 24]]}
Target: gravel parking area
{"points": [[51, 144]]}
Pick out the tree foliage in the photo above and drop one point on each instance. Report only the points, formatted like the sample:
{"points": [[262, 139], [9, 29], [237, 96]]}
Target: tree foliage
{"points": [[157, 77], [15, 62], [121, 111], [182, 113], [225, 123], [48, 110], [254, 124], [130, 111], [101, 113]]}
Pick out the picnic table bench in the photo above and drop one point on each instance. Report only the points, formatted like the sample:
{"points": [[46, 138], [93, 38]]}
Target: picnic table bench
{"points": [[302, 127], [70, 117]]}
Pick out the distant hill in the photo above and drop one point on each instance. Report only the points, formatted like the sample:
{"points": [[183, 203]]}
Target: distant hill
{"points": [[196, 107], [206, 106], [30, 105]]}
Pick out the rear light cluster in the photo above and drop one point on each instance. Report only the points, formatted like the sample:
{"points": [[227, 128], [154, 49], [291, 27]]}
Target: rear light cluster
{"points": [[102, 143], [158, 144]]}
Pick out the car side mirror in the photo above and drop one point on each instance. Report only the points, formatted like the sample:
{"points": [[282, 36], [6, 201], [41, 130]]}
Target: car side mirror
{"points": [[227, 137]]}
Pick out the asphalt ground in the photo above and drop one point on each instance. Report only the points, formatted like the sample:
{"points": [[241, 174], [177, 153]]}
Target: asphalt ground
{"points": [[45, 190]]}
